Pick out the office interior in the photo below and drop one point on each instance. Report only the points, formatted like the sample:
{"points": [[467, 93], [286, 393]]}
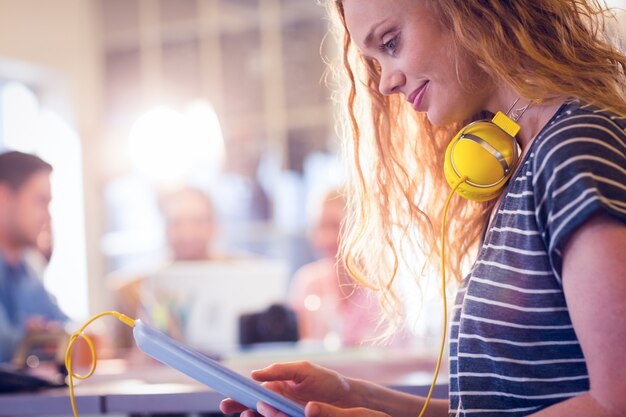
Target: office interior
{"points": [[128, 98], [235, 87]]}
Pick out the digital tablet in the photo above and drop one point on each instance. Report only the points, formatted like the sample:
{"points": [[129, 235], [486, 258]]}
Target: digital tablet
{"points": [[209, 372]]}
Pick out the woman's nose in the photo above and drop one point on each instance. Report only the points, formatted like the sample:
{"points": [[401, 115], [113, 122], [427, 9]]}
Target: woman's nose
{"points": [[391, 81]]}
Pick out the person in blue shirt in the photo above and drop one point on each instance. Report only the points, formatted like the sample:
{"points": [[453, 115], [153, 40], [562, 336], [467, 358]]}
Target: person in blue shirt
{"points": [[25, 305]]}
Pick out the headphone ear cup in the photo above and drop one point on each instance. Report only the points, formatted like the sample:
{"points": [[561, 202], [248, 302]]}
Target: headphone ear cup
{"points": [[486, 155]]}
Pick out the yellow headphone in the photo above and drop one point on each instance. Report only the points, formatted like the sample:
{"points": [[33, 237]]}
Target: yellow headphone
{"points": [[485, 152]]}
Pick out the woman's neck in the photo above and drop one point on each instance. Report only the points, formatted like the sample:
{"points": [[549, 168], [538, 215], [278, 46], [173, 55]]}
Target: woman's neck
{"points": [[532, 119], [535, 119]]}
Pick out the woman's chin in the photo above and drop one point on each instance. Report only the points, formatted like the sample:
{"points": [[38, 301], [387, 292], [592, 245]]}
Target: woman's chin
{"points": [[444, 119], [435, 118]]}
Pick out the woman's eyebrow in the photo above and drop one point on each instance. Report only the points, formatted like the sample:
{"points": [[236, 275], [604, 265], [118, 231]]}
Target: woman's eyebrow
{"points": [[370, 35]]}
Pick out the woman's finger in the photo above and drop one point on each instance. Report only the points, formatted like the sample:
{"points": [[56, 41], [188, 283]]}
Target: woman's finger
{"points": [[291, 371], [316, 409], [229, 406], [249, 413], [268, 411]]}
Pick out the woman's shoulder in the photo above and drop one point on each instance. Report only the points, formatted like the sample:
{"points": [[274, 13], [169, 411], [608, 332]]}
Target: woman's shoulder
{"points": [[578, 119], [581, 131]]}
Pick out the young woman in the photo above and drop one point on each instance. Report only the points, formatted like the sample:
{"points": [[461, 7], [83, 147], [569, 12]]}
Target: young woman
{"points": [[537, 328]]}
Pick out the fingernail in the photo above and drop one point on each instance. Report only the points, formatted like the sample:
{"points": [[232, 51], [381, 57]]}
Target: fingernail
{"points": [[260, 408]]}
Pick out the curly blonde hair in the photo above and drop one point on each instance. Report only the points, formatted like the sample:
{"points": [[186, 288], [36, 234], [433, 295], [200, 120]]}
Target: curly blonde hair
{"points": [[396, 191]]}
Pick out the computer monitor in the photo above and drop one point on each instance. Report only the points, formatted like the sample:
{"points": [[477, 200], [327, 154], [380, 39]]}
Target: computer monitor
{"points": [[200, 302]]}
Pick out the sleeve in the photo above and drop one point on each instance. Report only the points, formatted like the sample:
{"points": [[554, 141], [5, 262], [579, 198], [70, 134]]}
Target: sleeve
{"points": [[9, 338], [579, 170], [38, 301], [52, 310]]}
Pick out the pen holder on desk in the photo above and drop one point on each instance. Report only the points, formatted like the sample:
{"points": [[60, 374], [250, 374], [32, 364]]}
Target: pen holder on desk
{"points": [[41, 354], [41, 346]]}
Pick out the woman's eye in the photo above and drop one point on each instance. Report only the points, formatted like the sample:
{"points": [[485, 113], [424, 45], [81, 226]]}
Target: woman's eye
{"points": [[390, 46]]}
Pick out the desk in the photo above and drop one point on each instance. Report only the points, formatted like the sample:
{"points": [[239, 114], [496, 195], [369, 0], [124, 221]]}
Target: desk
{"points": [[48, 403], [143, 385]]}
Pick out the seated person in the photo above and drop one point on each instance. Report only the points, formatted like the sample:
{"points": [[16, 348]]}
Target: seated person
{"points": [[329, 306], [25, 306], [190, 227], [190, 230]]}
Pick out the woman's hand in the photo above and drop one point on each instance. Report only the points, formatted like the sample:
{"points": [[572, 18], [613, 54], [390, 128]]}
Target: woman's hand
{"points": [[317, 409], [301, 382], [326, 393]]}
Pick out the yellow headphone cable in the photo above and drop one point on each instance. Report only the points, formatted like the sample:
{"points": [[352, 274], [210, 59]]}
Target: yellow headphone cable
{"points": [[80, 334], [442, 346]]}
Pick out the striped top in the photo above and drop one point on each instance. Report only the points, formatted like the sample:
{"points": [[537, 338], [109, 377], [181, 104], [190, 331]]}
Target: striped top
{"points": [[513, 349]]}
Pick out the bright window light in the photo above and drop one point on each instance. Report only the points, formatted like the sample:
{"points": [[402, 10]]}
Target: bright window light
{"points": [[28, 128], [20, 108], [168, 146]]}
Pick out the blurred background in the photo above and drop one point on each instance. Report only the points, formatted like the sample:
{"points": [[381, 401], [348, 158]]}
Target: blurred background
{"points": [[127, 98]]}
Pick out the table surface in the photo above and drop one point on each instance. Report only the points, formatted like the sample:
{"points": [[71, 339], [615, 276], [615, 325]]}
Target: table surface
{"points": [[140, 384]]}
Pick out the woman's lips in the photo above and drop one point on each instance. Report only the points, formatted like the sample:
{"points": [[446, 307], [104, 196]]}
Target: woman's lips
{"points": [[417, 96]]}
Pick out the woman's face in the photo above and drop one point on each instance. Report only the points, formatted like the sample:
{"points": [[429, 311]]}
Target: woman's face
{"points": [[416, 57]]}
